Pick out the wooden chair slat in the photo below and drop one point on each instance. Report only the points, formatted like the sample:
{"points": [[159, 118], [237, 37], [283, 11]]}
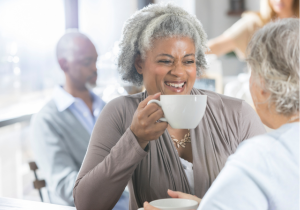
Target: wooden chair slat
{"points": [[32, 166], [38, 184]]}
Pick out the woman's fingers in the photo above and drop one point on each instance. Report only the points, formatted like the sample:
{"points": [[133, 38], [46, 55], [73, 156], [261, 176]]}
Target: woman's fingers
{"points": [[150, 109], [147, 206], [156, 115], [143, 104], [176, 194], [144, 125]]}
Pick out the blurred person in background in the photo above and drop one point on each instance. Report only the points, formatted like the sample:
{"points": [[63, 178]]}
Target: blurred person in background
{"points": [[237, 37], [61, 130], [264, 171], [162, 47]]}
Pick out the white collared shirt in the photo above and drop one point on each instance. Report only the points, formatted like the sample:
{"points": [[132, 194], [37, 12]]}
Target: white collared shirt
{"points": [[64, 100]]}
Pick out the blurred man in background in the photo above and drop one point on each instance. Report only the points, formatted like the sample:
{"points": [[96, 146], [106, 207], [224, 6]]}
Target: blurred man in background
{"points": [[61, 130]]}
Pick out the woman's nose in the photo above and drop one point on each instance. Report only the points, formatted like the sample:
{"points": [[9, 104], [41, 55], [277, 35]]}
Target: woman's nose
{"points": [[178, 70]]}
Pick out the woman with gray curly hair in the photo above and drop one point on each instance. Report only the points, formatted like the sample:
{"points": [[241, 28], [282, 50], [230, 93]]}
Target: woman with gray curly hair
{"points": [[163, 48], [264, 171]]}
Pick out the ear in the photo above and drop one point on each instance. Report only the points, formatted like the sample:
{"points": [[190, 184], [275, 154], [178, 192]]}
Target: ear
{"points": [[64, 65], [261, 90], [266, 94], [138, 64]]}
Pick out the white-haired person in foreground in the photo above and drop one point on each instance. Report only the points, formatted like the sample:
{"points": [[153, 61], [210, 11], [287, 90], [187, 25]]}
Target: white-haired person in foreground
{"points": [[264, 171], [163, 48]]}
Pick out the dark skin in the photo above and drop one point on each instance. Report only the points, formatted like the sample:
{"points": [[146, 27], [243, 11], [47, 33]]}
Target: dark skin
{"points": [[170, 60], [81, 70]]}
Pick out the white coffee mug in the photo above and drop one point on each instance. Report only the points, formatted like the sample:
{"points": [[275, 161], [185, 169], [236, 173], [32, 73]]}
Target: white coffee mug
{"points": [[174, 204], [182, 111]]}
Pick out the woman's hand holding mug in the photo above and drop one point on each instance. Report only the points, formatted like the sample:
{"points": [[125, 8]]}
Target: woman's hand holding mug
{"points": [[174, 194], [144, 123]]}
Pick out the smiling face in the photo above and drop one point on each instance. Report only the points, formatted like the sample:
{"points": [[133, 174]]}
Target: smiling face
{"points": [[80, 70], [83, 70], [169, 66], [282, 7]]}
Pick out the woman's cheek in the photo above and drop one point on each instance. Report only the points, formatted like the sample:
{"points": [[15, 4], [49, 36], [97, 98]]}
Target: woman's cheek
{"points": [[161, 71], [192, 73]]}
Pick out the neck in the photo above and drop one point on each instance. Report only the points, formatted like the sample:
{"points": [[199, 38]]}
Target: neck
{"points": [[76, 92], [288, 14], [277, 120]]}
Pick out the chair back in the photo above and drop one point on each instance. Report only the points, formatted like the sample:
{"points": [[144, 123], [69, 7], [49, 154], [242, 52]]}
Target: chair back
{"points": [[37, 184]]}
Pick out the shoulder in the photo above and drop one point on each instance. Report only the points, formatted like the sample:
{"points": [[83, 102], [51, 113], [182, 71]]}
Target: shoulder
{"points": [[121, 109], [47, 122], [252, 156], [48, 111], [235, 115], [254, 146], [218, 101], [124, 102], [281, 142], [249, 22], [252, 18]]}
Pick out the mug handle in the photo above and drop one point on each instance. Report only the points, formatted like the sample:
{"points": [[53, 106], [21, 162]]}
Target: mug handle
{"points": [[159, 104]]}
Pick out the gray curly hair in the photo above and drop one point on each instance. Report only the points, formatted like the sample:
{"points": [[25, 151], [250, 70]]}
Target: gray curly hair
{"points": [[273, 55], [157, 21]]}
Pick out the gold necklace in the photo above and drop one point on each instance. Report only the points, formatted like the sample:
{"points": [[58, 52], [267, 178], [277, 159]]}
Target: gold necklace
{"points": [[182, 142]]}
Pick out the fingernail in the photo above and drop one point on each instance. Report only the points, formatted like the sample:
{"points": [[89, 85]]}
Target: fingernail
{"points": [[156, 94]]}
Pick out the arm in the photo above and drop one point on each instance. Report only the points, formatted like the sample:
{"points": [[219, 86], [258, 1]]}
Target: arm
{"points": [[53, 159], [221, 45], [235, 37], [112, 156]]}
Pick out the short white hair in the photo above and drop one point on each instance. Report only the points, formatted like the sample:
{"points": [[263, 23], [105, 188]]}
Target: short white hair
{"points": [[273, 55], [66, 46], [158, 21]]}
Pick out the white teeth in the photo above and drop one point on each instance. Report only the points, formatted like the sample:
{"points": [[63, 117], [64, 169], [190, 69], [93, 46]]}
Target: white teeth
{"points": [[177, 85]]}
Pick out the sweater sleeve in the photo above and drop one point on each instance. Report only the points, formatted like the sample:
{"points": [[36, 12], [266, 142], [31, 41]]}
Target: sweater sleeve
{"points": [[111, 158]]}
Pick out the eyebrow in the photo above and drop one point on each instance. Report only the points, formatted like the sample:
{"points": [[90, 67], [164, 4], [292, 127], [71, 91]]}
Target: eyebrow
{"points": [[173, 57]]}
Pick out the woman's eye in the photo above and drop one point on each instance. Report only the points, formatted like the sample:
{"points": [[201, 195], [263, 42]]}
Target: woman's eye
{"points": [[189, 62], [165, 61]]}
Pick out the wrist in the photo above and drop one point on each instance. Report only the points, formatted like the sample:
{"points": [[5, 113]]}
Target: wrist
{"points": [[143, 144]]}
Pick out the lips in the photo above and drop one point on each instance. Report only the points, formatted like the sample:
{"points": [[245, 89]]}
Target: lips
{"points": [[175, 86]]}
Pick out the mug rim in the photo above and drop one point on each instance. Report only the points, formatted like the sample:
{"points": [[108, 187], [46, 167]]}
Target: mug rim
{"points": [[182, 95], [189, 206]]}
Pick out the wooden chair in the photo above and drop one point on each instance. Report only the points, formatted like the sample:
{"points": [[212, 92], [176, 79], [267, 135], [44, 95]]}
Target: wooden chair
{"points": [[37, 184]]}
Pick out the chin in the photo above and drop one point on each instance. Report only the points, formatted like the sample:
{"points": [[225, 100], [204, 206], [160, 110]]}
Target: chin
{"points": [[90, 86]]}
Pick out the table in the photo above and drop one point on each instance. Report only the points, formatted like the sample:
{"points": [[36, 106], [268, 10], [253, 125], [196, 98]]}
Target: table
{"points": [[17, 204]]}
